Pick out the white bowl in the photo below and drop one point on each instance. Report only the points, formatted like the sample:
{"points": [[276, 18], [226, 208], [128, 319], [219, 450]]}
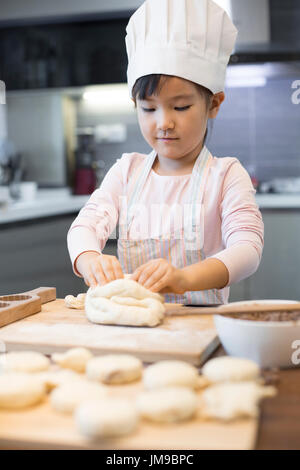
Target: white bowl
{"points": [[268, 343]]}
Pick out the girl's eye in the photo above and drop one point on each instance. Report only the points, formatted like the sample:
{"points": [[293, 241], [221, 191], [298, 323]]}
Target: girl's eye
{"points": [[182, 109], [149, 110]]}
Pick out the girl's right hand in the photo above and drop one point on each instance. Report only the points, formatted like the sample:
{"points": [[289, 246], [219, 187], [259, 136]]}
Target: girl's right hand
{"points": [[97, 268]]}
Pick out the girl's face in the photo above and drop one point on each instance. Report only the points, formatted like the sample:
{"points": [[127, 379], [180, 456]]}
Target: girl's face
{"points": [[174, 121]]}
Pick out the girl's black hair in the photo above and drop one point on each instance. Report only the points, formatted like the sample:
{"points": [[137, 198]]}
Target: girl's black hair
{"points": [[148, 85]]}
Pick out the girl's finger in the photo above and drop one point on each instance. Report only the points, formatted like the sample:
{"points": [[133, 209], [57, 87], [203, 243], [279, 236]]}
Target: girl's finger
{"points": [[147, 273], [155, 277], [161, 283], [90, 280], [117, 269], [107, 270], [135, 275], [98, 274]]}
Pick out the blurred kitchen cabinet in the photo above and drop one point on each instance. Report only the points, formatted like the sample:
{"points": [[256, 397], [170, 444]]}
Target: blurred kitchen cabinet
{"points": [[34, 254], [63, 55], [278, 274], [18, 10], [239, 291]]}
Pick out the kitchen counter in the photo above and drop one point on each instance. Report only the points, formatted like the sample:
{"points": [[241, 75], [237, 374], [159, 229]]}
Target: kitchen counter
{"points": [[278, 201], [51, 202]]}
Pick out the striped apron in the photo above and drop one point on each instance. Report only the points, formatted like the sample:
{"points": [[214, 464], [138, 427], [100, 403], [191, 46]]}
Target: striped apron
{"points": [[182, 247]]}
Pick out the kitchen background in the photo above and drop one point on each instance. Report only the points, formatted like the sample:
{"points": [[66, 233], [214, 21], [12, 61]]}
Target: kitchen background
{"points": [[68, 118]]}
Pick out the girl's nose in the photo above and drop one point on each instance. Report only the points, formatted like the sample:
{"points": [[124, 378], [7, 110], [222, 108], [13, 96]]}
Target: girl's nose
{"points": [[165, 121]]}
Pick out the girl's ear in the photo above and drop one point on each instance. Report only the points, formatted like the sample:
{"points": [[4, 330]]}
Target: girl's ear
{"points": [[216, 101]]}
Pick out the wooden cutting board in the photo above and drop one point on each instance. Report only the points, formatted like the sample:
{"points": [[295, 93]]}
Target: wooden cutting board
{"points": [[185, 334], [16, 306], [40, 427]]}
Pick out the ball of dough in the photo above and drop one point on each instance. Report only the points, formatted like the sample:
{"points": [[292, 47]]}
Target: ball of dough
{"points": [[75, 359], [75, 302], [230, 369], [124, 302], [68, 396], [229, 401], [169, 373], [114, 368], [20, 390], [167, 405], [125, 288], [52, 379], [109, 417], [23, 361], [81, 297]]}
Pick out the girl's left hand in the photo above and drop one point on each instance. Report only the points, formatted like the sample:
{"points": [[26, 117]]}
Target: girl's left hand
{"points": [[159, 275]]}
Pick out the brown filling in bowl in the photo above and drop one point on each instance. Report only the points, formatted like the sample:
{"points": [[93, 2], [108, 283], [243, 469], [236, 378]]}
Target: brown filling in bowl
{"points": [[267, 316]]}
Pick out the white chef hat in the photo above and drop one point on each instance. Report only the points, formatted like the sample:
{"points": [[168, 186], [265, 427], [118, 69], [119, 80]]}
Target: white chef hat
{"points": [[191, 39]]}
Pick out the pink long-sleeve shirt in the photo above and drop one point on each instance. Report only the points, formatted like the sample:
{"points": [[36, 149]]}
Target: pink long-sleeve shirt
{"points": [[232, 223]]}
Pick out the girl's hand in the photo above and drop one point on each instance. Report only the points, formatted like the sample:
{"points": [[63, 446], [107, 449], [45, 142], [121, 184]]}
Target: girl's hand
{"points": [[98, 269], [159, 275]]}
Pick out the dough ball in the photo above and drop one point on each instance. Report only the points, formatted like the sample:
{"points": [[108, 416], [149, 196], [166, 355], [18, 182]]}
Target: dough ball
{"points": [[167, 405], [114, 368], [230, 369], [124, 302], [229, 401], [109, 417], [75, 359], [75, 302], [203, 382], [68, 396], [81, 298], [169, 373], [20, 390], [23, 361], [125, 288], [52, 379]]}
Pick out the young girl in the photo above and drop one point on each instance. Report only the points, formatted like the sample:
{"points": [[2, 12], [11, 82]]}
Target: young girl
{"points": [[189, 226]]}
